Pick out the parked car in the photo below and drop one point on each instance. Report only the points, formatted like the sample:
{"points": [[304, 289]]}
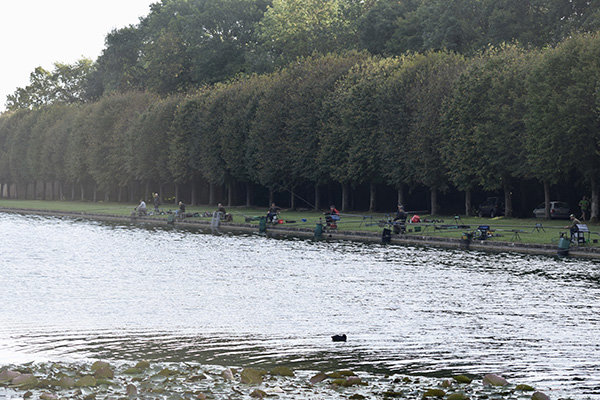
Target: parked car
{"points": [[558, 210], [492, 207]]}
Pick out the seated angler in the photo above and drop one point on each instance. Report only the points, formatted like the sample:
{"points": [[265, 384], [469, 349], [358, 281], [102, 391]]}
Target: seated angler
{"points": [[332, 216], [400, 220], [573, 228], [141, 208], [225, 216], [272, 215]]}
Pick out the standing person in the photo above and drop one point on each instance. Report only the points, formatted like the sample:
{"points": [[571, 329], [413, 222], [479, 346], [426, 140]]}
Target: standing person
{"points": [[141, 208], [584, 204], [156, 202], [181, 211]]}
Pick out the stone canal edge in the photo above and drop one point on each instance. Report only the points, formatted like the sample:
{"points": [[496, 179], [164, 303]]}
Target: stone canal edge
{"points": [[303, 232]]}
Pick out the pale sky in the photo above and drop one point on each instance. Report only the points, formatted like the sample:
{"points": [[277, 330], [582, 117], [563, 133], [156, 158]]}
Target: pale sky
{"points": [[37, 33]]}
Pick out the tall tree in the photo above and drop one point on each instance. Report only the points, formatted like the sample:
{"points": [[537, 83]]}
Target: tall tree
{"points": [[181, 141], [426, 82], [109, 152], [206, 154], [65, 84], [383, 25], [191, 43], [150, 141], [525, 21], [8, 124], [488, 119], [119, 67], [350, 142], [288, 116], [564, 113], [240, 105], [18, 145], [76, 162], [299, 28], [310, 84]]}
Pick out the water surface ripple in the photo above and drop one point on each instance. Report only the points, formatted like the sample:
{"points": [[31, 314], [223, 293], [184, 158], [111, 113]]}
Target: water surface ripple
{"points": [[74, 290]]}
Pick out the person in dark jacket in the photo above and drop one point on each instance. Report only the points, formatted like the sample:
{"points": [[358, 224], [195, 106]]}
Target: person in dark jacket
{"points": [[273, 213], [400, 220]]}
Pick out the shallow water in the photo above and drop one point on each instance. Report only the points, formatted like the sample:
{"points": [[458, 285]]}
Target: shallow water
{"points": [[75, 290]]}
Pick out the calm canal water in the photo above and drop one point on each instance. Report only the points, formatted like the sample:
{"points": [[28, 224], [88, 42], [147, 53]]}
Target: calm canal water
{"points": [[74, 290]]}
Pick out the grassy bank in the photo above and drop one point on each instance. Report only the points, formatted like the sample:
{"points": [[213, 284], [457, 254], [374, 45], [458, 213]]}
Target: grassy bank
{"points": [[530, 231]]}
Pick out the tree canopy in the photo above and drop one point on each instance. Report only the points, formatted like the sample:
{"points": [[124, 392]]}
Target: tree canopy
{"points": [[182, 45], [437, 95]]}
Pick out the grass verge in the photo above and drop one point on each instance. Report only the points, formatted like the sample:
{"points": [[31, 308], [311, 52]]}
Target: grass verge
{"points": [[529, 231]]}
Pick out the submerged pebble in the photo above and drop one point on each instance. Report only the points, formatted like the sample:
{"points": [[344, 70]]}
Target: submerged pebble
{"points": [[180, 380]]}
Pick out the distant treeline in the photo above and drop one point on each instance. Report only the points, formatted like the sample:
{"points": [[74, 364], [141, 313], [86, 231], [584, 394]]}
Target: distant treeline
{"points": [[182, 45], [436, 120], [318, 98]]}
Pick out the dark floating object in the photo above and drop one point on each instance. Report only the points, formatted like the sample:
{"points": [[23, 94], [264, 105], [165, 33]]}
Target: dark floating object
{"points": [[339, 338]]}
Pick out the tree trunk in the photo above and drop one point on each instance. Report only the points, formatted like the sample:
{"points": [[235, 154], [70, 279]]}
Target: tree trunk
{"points": [[345, 197], [292, 199], [508, 211], [434, 207], [547, 200], [177, 199], [194, 199], [317, 196], [211, 194], [468, 202], [271, 197], [130, 195], [401, 194], [373, 197], [248, 194], [595, 200], [230, 194]]}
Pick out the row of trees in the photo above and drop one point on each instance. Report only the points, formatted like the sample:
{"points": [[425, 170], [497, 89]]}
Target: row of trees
{"points": [[182, 45], [434, 120]]}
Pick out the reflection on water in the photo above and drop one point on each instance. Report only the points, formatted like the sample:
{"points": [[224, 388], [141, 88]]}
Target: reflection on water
{"points": [[73, 290]]}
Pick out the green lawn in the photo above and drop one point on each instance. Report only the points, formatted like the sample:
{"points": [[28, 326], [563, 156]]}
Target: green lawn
{"points": [[503, 229]]}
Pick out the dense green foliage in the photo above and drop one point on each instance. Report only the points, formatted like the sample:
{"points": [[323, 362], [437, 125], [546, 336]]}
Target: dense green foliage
{"points": [[182, 45], [288, 95]]}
